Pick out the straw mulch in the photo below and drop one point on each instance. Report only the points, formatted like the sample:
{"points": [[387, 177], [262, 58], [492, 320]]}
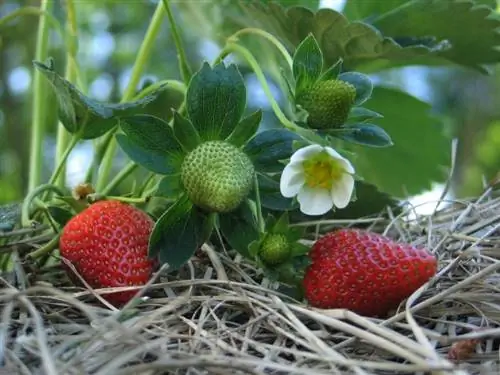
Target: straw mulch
{"points": [[219, 316]]}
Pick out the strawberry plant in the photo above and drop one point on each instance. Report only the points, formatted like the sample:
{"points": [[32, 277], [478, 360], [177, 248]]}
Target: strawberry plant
{"points": [[343, 147]]}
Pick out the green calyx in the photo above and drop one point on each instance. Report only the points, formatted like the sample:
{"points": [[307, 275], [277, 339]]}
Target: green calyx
{"points": [[328, 103], [217, 176], [275, 249]]}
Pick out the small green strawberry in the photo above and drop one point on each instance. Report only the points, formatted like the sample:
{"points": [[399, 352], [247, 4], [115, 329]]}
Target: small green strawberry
{"points": [[107, 243], [274, 249], [217, 176], [328, 103], [364, 272]]}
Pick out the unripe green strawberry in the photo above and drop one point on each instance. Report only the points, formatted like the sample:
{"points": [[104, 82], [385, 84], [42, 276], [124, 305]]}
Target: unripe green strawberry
{"points": [[217, 176], [328, 103], [275, 249]]}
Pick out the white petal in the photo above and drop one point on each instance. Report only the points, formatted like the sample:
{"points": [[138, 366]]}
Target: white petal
{"points": [[314, 201], [305, 153], [291, 181], [345, 163], [342, 191]]}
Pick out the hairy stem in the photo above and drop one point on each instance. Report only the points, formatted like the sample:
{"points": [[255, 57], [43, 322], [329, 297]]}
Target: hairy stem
{"points": [[39, 101], [264, 34], [62, 162], [181, 53], [123, 174], [63, 136], [250, 59], [140, 64]]}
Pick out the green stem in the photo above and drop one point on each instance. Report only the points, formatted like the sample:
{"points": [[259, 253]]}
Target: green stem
{"points": [[25, 209], [45, 249], [247, 55], [260, 219], [124, 173], [33, 11], [181, 53], [62, 162], [250, 30], [170, 83], [39, 101], [63, 136], [140, 64]]}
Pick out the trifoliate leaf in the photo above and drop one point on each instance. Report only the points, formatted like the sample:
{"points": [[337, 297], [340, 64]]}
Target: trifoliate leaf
{"points": [[421, 150], [149, 134], [239, 228], [169, 187], [307, 62], [361, 83], [269, 147], [355, 42], [245, 129], [178, 233], [215, 100], [364, 134], [185, 133], [362, 9], [86, 116], [471, 29]]}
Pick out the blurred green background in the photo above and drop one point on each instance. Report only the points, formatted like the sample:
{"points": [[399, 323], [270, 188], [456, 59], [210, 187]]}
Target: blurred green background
{"points": [[110, 33]]}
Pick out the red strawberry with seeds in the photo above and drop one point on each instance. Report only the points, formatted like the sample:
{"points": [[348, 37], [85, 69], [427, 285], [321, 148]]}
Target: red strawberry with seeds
{"points": [[364, 272], [108, 245]]}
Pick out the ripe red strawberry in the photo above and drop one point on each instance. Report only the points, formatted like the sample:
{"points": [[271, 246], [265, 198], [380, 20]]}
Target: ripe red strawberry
{"points": [[364, 272], [108, 245]]}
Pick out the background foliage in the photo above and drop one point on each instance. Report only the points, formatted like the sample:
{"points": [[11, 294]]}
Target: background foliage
{"points": [[447, 96]]}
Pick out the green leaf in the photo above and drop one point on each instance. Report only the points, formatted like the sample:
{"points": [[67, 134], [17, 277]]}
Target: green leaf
{"points": [[364, 134], [332, 72], [470, 29], [356, 43], [361, 82], [270, 195], [216, 99], [239, 228], [282, 225], [185, 133], [421, 151], [308, 60], [245, 129], [86, 116], [177, 234], [149, 134], [154, 161], [361, 9], [169, 187], [360, 114], [269, 147], [60, 215]]}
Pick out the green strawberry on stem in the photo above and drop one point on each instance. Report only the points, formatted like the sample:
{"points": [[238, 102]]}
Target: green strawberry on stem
{"points": [[328, 103]]}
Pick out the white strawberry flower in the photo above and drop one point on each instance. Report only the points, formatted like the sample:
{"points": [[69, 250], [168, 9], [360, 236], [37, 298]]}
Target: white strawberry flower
{"points": [[320, 178]]}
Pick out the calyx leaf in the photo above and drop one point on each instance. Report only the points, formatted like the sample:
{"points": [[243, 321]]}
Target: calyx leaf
{"points": [[269, 147], [83, 115], [150, 142], [364, 134], [178, 233], [307, 61], [215, 100], [245, 129]]}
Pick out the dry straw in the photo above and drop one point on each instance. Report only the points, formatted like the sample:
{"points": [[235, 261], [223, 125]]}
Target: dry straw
{"points": [[218, 315]]}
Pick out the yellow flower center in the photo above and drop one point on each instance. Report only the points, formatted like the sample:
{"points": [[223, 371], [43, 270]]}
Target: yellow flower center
{"points": [[322, 171]]}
